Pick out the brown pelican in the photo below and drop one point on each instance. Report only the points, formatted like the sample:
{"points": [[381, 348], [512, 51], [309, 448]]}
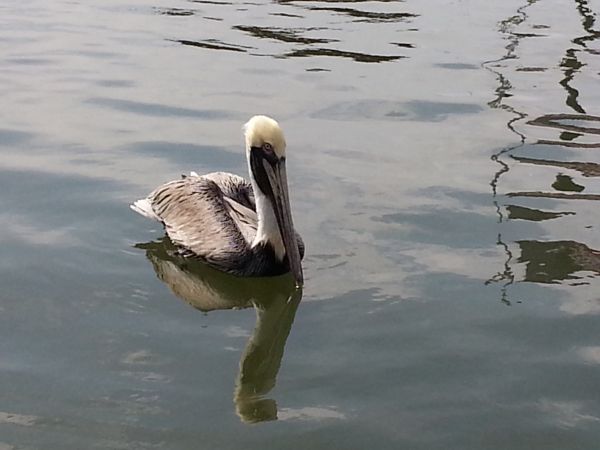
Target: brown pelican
{"points": [[244, 228]]}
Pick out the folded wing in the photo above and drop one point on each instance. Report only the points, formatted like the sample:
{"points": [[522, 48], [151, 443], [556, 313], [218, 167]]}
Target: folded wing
{"points": [[206, 216]]}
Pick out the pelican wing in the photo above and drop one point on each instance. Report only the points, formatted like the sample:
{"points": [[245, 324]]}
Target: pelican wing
{"points": [[239, 195], [234, 187], [212, 217], [199, 216]]}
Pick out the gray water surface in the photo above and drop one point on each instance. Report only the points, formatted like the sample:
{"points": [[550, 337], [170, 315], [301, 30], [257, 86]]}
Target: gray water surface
{"points": [[443, 160]]}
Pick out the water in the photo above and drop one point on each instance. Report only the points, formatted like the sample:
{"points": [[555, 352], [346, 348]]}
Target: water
{"points": [[443, 165]]}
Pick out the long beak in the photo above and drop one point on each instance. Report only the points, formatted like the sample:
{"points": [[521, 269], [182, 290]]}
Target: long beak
{"points": [[277, 176]]}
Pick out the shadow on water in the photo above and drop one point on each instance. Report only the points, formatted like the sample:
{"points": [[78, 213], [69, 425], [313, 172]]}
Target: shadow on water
{"points": [[275, 301], [545, 261]]}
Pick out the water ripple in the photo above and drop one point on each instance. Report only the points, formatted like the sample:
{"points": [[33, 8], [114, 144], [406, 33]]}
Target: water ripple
{"points": [[425, 111], [175, 12], [366, 16], [356, 56], [292, 35], [157, 109], [280, 32], [554, 121], [212, 44]]}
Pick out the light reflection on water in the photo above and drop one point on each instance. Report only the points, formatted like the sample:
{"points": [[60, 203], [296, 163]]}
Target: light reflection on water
{"points": [[547, 261], [417, 241]]}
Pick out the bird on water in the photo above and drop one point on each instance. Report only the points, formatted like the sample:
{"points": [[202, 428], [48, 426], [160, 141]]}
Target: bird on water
{"points": [[240, 227]]}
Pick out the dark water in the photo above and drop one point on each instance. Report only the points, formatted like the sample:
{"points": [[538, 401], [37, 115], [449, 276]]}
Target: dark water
{"points": [[443, 160]]}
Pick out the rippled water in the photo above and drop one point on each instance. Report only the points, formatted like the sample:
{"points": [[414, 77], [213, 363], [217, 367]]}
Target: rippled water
{"points": [[443, 161]]}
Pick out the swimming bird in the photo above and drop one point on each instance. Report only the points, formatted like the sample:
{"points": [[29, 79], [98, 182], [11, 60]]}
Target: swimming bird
{"points": [[240, 227]]}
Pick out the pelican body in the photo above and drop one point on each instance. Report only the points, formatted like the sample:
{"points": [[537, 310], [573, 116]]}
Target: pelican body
{"points": [[240, 227]]}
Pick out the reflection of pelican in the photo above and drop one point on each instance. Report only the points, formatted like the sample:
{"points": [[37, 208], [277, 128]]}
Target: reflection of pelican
{"points": [[237, 227], [261, 360], [275, 301]]}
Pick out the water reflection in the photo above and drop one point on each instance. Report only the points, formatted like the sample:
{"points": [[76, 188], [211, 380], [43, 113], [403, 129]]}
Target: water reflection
{"points": [[502, 92], [553, 262], [175, 12], [275, 301], [287, 40], [587, 169], [416, 110], [157, 109], [366, 16], [533, 215], [545, 261], [211, 2], [335, 1], [568, 122], [571, 64], [212, 44], [293, 35], [554, 195], [565, 183], [356, 56]]}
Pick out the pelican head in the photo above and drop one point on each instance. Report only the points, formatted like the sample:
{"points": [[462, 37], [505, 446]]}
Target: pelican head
{"points": [[265, 149]]}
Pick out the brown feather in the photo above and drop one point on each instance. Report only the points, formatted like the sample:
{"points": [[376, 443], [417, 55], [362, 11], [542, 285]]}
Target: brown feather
{"points": [[198, 218]]}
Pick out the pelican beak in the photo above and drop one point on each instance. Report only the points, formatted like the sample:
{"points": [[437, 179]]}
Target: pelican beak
{"points": [[277, 176], [271, 177]]}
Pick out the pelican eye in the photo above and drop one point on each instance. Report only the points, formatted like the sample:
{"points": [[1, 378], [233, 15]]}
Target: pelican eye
{"points": [[267, 152]]}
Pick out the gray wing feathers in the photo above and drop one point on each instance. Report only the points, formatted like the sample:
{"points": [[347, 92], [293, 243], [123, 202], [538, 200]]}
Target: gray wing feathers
{"points": [[245, 219], [239, 195], [211, 216], [197, 217], [234, 187]]}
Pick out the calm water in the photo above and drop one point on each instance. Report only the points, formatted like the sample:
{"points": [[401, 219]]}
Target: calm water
{"points": [[443, 160]]}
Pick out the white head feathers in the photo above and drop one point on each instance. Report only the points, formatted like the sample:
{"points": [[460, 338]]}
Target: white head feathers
{"points": [[262, 129]]}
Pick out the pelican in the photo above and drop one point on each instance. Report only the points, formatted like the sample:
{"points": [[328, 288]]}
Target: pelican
{"points": [[240, 227]]}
